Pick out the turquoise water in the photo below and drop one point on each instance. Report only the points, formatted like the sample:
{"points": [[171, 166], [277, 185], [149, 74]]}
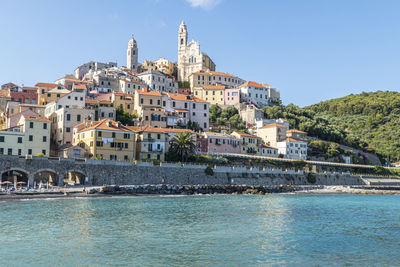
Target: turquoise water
{"points": [[234, 230]]}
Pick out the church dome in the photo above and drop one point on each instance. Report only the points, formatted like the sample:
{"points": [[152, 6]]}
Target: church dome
{"points": [[132, 42]]}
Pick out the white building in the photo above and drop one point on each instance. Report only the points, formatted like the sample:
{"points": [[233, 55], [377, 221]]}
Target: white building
{"points": [[129, 86], [254, 93], [92, 65], [157, 81], [292, 148], [132, 55], [190, 58]]}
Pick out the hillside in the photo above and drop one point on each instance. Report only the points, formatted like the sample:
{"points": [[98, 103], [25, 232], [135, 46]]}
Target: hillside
{"points": [[370, 121]]}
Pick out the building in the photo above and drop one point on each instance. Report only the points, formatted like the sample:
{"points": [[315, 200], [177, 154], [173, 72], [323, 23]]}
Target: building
{"points": [[204, 78], [211, 142], [132, 55], [190, 58], [124, 101], [106, 139], [165, 66], [232, 97], [260, 122], [80, 71], [271, 134], [156, 80], [214, 94], [129, 86], [292, 148], [187, 108], [69, 81], [297, 134], [31, 136], [27, 95], [254, 93], [53, 94], [250, 114], [151, 143], [269, 151], [250, 144]]}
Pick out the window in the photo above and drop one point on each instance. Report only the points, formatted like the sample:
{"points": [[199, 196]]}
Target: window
{"points": [[9, 152], [44, 138], [68, 130], [19, 140], [31, 124], [141, 101], [151, 101], [99, 143], [163, 103], [125, 157], [158, 136], [44, 151], [126, 145], [1, 138], [205, 114], [127, 136], [110, 115], [44, 125], [205, 125], [29, 151], [68, 117], [194, 113], [1, 151], [113, 135], [19, 152], [99, 134], [31, 138], [173, 104], [205, 106], [78, 117]]}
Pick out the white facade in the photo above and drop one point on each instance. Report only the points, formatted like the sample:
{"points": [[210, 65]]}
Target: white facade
{"points": [[254, 93], [157, 81], [132, 55], [130, 86], [190, 58], [92, 65], [293, 149]]}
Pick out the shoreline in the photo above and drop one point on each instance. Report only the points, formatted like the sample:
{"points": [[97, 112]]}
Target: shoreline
{"points": [[173, 190]]}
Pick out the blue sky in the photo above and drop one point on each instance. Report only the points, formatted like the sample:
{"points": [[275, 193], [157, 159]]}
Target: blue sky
{"points": [[309, 50]]}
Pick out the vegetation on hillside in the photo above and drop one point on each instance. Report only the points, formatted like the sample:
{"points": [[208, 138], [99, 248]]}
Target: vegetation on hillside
{"points": [[226, 119], [369, 121], [124, 117]]}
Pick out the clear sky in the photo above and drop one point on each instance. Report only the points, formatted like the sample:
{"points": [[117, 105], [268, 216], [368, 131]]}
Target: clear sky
{"points": [[310, 50]]}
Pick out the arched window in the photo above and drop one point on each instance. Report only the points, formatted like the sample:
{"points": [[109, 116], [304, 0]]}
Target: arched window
{"points": [[133, 52], [182, 41]]}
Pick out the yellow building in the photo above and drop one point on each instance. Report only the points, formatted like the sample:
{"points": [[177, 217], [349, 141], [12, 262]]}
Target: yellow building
{"points": [[250, 144], [123, 100], [214, 94], [106, 139], [272, 133], [150, 143], [53, 95], [145, 101], [297, 134]]}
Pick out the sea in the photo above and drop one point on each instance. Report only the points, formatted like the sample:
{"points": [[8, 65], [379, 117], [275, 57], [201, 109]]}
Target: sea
{"points": [[202, 230]]}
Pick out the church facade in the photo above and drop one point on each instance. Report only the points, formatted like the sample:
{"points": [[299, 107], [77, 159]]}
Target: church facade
{"points": [[190, 58]]}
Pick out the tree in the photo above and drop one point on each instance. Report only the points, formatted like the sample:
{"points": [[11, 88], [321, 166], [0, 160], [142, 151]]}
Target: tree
{"points": [[124, 117], [183, 145]]}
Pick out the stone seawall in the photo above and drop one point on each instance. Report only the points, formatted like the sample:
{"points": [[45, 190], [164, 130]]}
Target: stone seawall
{"points": [[96, 172]]}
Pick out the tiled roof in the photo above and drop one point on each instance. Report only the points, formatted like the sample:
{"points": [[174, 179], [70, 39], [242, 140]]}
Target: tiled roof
{"points": [[153, 93], [296, 131], [181, 97], [222, 74], [247, 135], [80, 86], [273, 125], [182, 110], [267, 146], [51, 85], [91, 101], [35, 118], [254, 84], [151, 129], [103, 125], [59, 91], [214, 87], [291, 139], [106, 96]]}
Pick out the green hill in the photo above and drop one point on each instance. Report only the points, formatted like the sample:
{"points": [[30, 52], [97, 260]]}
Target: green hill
{"points": [[370, 121]]}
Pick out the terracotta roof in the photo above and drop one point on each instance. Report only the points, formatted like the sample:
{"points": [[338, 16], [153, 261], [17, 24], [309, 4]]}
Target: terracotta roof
{"points": [[151, 129], [123, 94], [80, 86], [103, 125], [200, 72], [153, 93], [35, 118], [102, 97], [181, 97], [219, 135], [51, 85], [222, 74], [291, 139], [273, 125], [296, 131], [196, 99], [214, 87], [59, 91], [247, 135], [182, 110], [91, 101], [267, 146], [254, 84]]}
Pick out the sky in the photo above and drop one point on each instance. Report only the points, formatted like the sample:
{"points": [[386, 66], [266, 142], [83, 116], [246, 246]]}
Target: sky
{"points": [[310, 50]]}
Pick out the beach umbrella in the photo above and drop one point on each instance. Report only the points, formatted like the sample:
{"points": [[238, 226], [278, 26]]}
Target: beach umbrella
{"points": [[6, 182], [21, 183]]}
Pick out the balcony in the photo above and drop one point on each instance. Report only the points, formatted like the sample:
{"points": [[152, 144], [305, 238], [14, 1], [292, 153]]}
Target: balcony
{"points": [[149, 140]]}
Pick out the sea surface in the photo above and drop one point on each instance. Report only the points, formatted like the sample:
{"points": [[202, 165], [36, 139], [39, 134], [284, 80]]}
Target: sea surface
{"points": [[217, 230]]}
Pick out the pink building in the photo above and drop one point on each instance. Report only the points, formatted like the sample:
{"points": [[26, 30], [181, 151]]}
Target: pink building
{"points": [[232, 96], [218, 143], [27, 96]]}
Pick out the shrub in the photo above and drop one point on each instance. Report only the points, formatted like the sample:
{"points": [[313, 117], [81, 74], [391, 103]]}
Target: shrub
{"points": [[209, 171], [40, 155], [311, 178]]}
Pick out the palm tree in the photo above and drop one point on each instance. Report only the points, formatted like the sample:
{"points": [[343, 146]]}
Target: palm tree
{"points": [[183, 145]]}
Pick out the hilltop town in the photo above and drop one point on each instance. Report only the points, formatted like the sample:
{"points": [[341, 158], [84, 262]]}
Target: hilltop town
{"points": [[135, 112]]}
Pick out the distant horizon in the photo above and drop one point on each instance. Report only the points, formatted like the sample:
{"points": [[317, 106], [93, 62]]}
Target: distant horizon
{"points": [[309, 51]]}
